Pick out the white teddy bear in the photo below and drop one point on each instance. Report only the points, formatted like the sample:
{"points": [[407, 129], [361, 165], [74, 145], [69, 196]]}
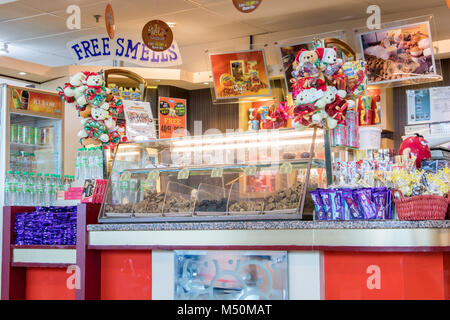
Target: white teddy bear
{"points": [[308, 96]]}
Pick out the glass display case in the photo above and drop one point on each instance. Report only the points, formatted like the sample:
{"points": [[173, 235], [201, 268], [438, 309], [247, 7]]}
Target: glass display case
{"points": [[233, 176]]}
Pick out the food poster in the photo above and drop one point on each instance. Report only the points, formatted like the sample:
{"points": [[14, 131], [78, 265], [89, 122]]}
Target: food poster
{"points": [[288, 55], [139, 120], [22, 99], [172, 117], [398, 54], [240, 74]]}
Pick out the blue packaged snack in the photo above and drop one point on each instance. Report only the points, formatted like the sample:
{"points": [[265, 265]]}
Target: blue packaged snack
{"points": [[364, 199], [337, 207], [318, 205], [325, 196], [352, 205]]}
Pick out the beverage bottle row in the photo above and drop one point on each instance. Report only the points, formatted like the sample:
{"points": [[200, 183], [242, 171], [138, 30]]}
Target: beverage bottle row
{"points": [[29, 189], [89, 163], [30, 135], [22, 160]]}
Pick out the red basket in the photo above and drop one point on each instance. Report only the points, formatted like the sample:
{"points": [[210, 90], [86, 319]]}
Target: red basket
{"points": [[426, 207]]}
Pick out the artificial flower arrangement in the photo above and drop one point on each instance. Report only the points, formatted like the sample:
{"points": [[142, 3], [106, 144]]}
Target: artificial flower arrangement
{"points": [[97, 107]]}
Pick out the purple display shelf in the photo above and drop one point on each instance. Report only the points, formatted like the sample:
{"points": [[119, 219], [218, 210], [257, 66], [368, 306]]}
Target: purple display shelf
{"points": [[14, 273]]}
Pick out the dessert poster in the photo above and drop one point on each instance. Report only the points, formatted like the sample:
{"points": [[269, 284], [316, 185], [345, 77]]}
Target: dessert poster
{"points": [[288, 55], [139, 120], [240, 74], [398, 54], [172, 117]]}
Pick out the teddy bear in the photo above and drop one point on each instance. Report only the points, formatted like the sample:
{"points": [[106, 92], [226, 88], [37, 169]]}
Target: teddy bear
{"points": [[303, 116], [329, 96], [305, 64], [93, 130], [329, 63], [308, 96]]}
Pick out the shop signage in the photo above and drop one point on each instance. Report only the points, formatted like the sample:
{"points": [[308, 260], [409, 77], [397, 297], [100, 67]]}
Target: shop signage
{"points": [[139, 120], [157, 35], [34, 101], [172, 117], [246, 6], [124, 48], [109, 21]]}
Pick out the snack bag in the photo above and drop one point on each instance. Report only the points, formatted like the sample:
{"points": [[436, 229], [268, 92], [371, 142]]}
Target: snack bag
{"points": [[356, 75]]}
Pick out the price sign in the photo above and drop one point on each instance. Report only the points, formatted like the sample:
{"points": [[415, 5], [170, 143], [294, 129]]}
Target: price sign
{"points": [[286, 168], [217, 173], [183, 174], [125, 176], [250, 170], [153, 175]]}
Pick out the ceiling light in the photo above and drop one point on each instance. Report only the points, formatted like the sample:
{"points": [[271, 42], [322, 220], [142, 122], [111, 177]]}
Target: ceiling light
{"points": [[156, 80], [22, 73], [3, 48], [171, 24], [206, 83]]}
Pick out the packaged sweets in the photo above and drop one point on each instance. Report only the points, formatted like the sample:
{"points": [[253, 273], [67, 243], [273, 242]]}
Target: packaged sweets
{"points": [[354, 213], [318, 205], [337, 206], [364, 200], [325, 196], [379, 198]]}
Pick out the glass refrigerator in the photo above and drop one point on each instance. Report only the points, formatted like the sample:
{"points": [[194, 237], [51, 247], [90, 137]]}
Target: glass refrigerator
{"points": [[31, 132]]}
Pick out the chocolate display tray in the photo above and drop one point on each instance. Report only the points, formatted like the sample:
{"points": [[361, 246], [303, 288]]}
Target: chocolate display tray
{"points": [[234, 217]]}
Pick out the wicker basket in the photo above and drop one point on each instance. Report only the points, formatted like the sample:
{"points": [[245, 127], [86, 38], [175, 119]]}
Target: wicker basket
{"points": [[426, 207]]}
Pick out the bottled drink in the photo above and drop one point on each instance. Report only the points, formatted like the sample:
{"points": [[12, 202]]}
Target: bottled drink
{"points": [[47, 186], [39, 189], [99, 162], [91, 172], [78, 164], [84, 164], [25, 189], [66, 182], [13, 134], [9, 189], [32, 189], [19, 134], [26, 135], [53, 189], [72, 179], [18, 189]]}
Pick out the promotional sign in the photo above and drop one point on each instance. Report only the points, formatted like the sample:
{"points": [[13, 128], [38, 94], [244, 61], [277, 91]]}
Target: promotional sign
{"points": [[246, 6], [419, 106], [157, 35], [288, 55], [109, 21], [34, 101], [240, 74], [428, 105], [139, 120], [172, 117], [124, 48], [398, 54]]}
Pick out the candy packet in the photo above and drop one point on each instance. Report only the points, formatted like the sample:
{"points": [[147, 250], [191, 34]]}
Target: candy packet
{"points": [[326, 200], [318, 205], [352, 205], [364, 200]]}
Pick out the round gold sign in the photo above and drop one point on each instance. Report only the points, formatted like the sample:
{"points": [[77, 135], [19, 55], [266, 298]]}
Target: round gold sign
{"points": [[246, 6], [157, 35], [109, 21]]}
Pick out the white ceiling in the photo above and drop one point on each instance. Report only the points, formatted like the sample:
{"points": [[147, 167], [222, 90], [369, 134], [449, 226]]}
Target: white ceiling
{"points": [[36, 29]]}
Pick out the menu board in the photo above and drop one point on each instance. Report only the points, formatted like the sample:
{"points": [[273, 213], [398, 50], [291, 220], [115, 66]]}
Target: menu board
{"points": [[172, 117], [428, 105], [22, 99], [240, 74], [139, 120]]}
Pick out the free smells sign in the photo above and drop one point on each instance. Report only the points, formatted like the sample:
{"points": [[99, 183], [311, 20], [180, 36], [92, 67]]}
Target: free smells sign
{"points": [[124, 48]]}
